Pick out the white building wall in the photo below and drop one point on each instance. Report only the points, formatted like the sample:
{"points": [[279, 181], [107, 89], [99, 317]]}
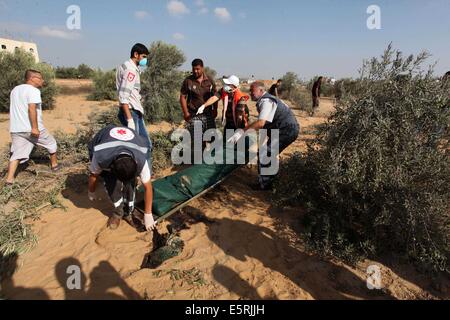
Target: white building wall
{"points": [[11, 45]]}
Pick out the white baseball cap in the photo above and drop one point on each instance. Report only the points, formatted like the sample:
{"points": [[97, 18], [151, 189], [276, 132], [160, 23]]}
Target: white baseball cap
{"points": [[231, 80]]}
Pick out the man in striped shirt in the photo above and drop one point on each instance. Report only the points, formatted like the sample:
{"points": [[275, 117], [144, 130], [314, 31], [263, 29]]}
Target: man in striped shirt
{"points": [[128, 83]]}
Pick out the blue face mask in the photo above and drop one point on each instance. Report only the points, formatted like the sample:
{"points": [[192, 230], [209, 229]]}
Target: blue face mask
{"points": [[143, 62]]}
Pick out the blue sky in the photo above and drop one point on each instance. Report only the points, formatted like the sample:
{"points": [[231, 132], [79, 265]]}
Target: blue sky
{"points": [[243, 37]]}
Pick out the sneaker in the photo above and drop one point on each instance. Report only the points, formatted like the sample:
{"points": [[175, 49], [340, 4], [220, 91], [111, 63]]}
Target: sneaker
{"points": [[57, 168]]}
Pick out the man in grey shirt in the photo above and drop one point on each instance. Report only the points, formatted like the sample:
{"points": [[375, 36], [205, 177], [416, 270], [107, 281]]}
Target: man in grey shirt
{"points": [[274, 114]]}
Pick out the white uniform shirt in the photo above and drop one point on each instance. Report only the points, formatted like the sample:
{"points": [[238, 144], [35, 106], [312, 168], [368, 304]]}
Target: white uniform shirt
{"points": [[128, 83], [267, 109], [21, 96]]}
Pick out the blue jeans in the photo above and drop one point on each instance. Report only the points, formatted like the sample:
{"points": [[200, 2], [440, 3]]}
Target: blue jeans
{"points": [[140, 129]]}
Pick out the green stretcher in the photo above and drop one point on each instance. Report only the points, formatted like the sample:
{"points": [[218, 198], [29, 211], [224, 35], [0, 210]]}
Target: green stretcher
{"points": [[172, 193]]}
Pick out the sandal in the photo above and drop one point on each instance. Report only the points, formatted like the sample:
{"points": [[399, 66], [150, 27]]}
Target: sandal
{"points": [[57, 168]]}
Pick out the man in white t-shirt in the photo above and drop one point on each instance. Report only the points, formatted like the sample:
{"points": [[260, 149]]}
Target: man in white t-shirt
{"points": [[26, 124]]}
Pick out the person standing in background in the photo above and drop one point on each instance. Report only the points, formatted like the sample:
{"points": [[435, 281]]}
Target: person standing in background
{"points": [[275, 88], [316, 94]]}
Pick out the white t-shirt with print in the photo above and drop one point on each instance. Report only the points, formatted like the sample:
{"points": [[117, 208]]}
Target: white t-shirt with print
{"points": [[21, 97]]}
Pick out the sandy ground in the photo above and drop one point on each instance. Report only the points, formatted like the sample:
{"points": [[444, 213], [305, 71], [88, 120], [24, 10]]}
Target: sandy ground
{"points": [[71, 110], [237, 246]]}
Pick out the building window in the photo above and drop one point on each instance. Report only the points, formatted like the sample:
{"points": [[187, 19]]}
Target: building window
{"points": [[3, 47]]}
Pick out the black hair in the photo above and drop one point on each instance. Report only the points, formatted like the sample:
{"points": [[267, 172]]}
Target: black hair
{"points": [[124, 168], [197, 62], [140, 49], [280, 80], [30, 72]]}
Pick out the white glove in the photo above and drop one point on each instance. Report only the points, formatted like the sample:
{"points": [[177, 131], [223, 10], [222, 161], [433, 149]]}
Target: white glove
{"points": [[149, 222], [131, 124], [91, 196], [236, 137], [201, 109]]}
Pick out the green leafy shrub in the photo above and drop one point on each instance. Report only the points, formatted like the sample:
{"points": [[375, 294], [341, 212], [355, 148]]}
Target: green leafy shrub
{"points": [[161, 83], [211, 73], [14, 66], [292, 89], [104, 86], [377, 178], [289, 84], [347, 87], [301, 99], [66, 73], [162, 151], [83, 71]]}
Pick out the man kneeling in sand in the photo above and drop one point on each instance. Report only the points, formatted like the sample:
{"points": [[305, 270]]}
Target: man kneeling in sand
{"points": [[119, 155]]}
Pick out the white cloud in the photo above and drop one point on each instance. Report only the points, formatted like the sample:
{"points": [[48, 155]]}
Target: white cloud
{"points": [[140, 15], [203, 11], [177, 8], [57, 33], [178, 36], [223, 14]]}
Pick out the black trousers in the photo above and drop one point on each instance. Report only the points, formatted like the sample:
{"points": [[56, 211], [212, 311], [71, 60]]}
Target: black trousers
{"points": [[121, 194], [286, 137]]}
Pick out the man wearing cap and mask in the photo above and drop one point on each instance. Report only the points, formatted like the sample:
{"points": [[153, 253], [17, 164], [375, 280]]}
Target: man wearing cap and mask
{"points": [[235, 113], [128, 83], [119, 156]]}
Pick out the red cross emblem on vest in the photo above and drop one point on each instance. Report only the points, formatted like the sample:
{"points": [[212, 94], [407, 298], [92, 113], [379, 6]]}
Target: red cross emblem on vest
{"points": [[122, 132]]}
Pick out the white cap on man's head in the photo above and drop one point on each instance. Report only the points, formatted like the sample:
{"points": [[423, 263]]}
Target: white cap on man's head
{"points": [[231, 80]]}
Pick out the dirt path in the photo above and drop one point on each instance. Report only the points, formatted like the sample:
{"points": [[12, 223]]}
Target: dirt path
{"points": [[237, 246]]}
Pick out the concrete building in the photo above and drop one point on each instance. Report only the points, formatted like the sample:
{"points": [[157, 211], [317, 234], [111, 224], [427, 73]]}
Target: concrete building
{"points": [[11, 45]]}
